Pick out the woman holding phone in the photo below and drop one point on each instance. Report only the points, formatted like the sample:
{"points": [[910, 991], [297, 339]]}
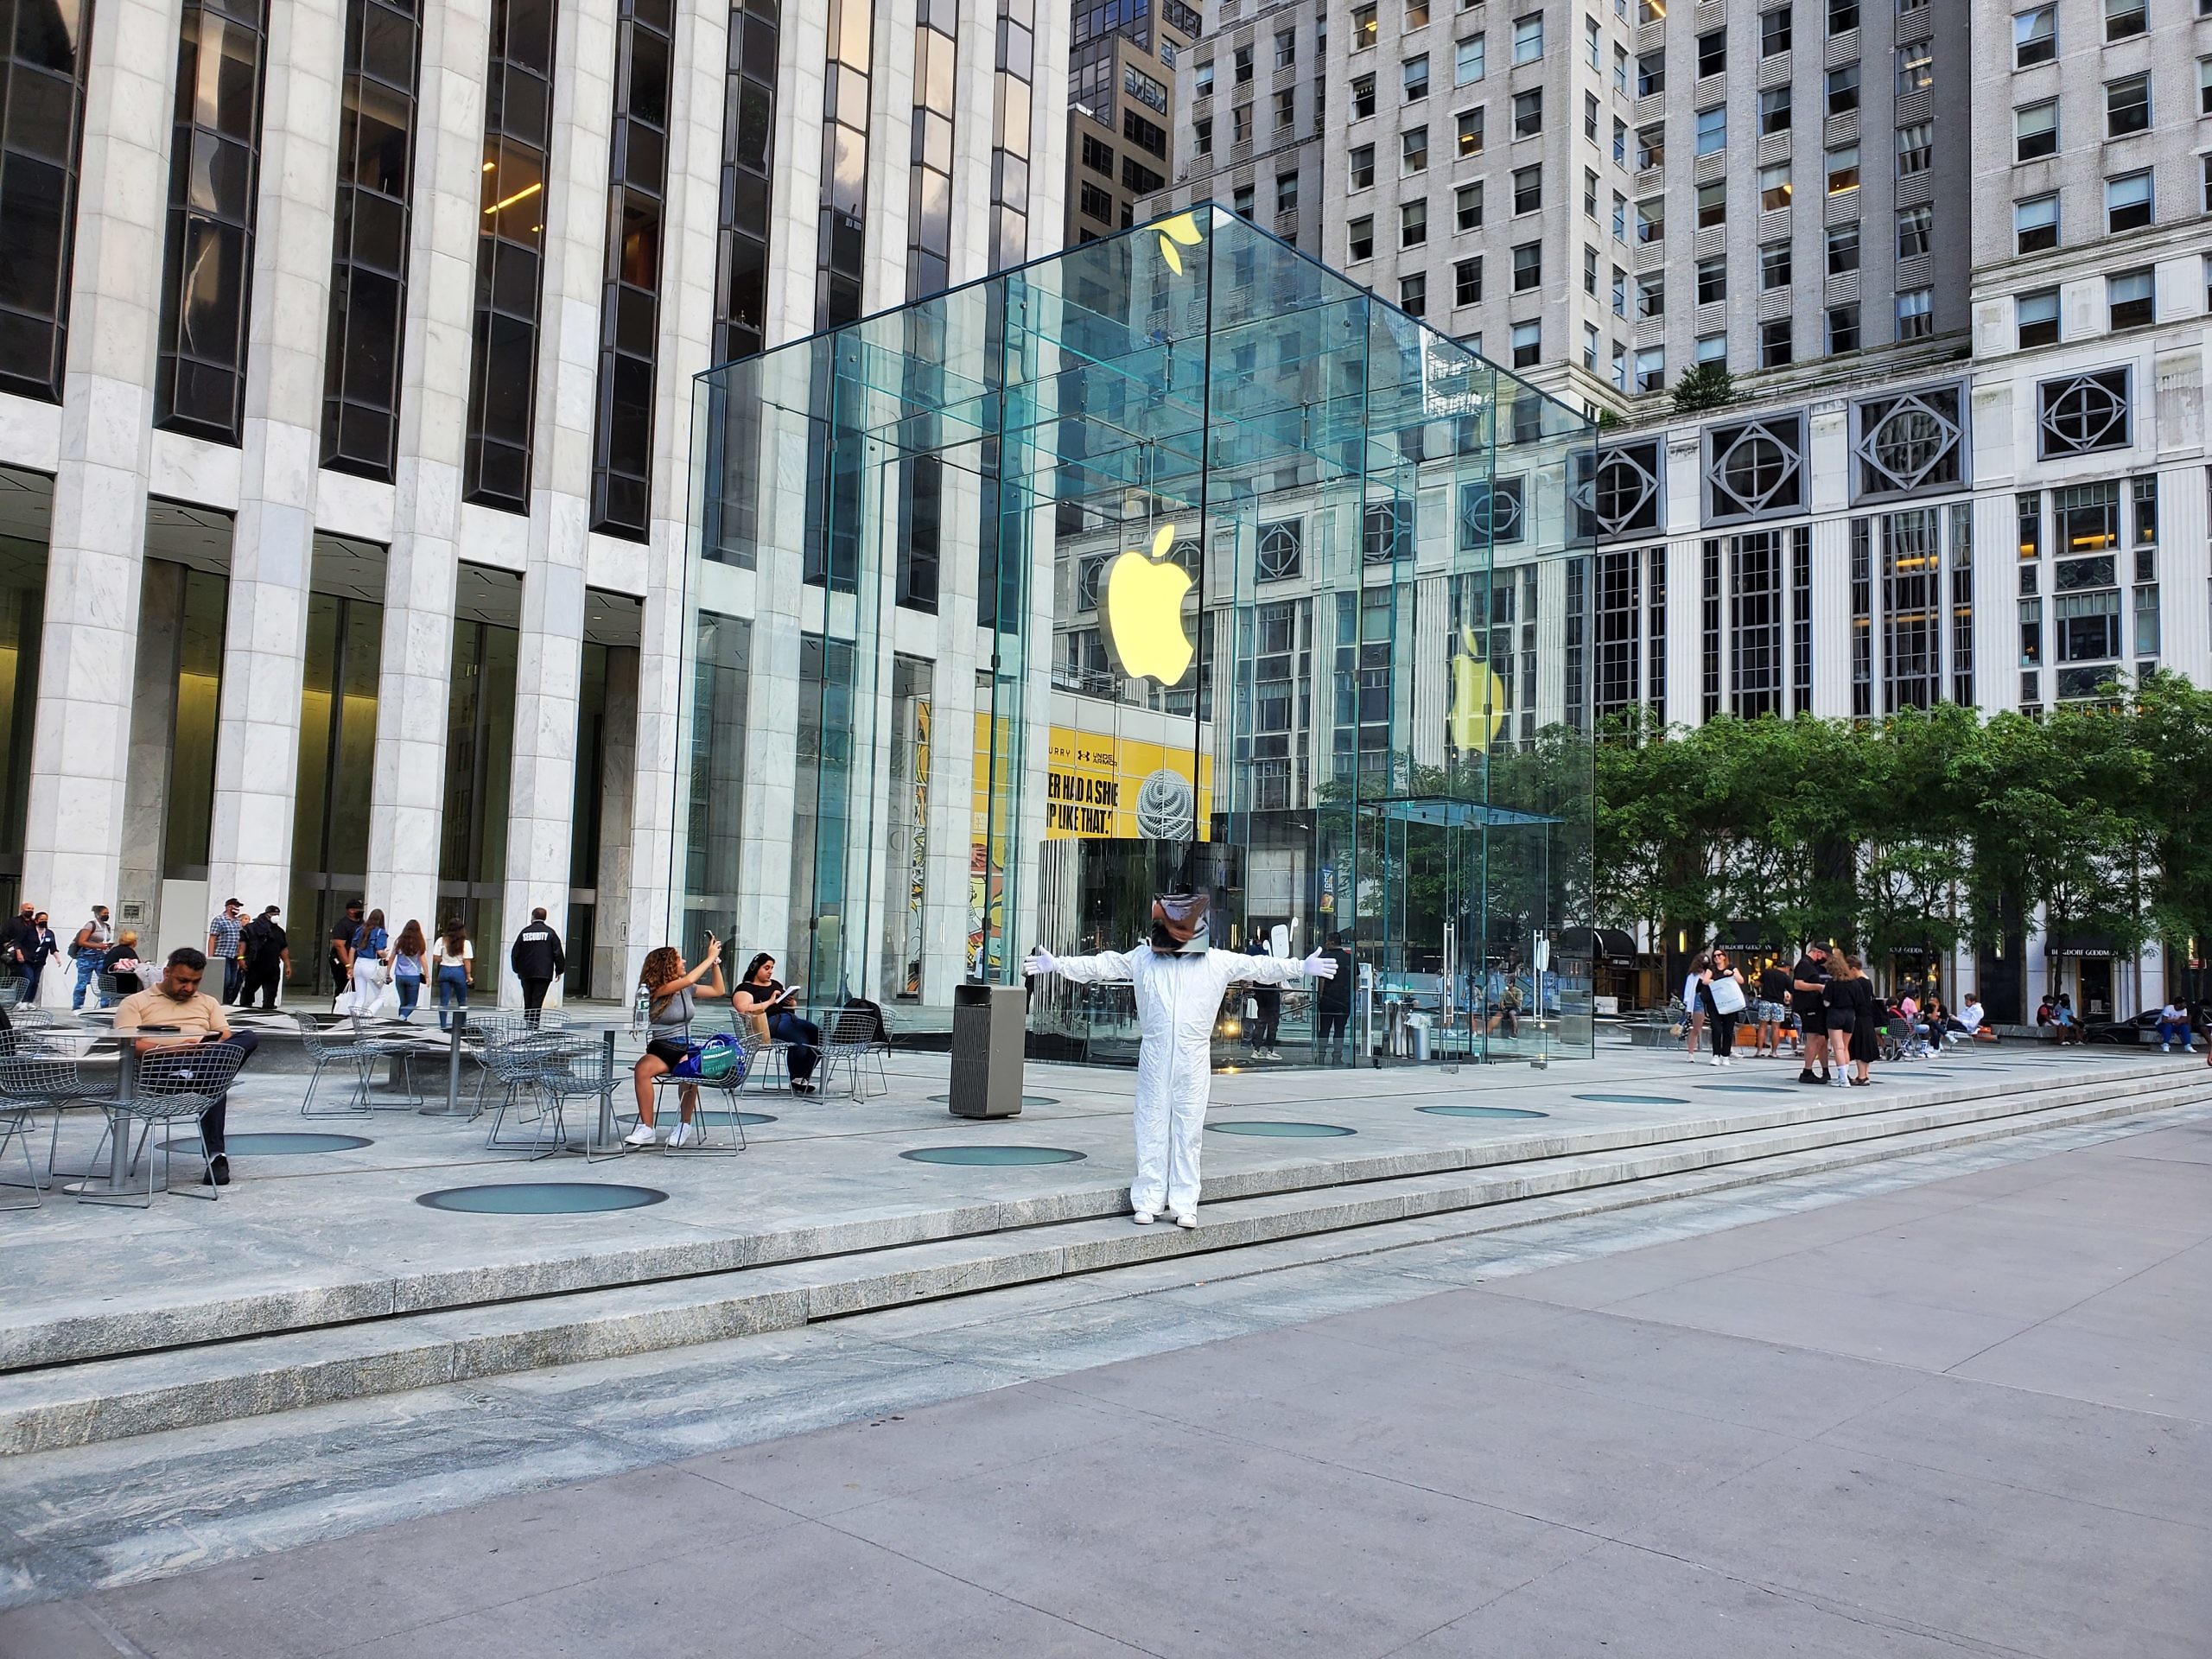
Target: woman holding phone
{"points": [[668, 985], [771, 1008]]}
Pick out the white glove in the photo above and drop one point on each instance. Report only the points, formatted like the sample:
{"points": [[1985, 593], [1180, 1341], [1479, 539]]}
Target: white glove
{"points": [[1041, 961], [1318, 966]]}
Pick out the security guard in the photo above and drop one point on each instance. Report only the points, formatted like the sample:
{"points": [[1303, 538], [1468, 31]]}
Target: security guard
{"points": [[537, 960]]}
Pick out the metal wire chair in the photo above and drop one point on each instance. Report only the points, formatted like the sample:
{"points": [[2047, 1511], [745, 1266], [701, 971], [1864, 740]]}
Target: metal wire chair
{"points": [[519, 1062], [174, 1083], [315, 1042], [28, 1083], [402, 1052], [848, 1040]]}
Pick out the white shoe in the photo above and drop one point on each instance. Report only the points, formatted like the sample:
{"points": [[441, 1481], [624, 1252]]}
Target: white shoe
{"points": [[1142, 1218], [1717, 1060], [2165, 1048], [685, 1135], [1187, 1220], [644, 1136]]}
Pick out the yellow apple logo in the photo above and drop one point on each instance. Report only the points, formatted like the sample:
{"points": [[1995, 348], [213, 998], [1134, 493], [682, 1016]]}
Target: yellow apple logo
{"points": [[1144, 614], [1183, 228], [1477, 698]]}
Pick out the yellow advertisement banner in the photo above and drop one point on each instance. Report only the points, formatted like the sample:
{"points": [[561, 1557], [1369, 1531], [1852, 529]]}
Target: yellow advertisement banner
{"points": [[1099, 787]]}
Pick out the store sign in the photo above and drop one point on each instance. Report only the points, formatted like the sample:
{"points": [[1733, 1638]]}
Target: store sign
{"points": [[1143, 612], [1102, 787]]}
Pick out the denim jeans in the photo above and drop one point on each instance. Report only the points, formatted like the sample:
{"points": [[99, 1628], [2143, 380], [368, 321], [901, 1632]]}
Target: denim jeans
{"points": [[453, 991], [88, 969], [408, 989], [2174, 1031]]}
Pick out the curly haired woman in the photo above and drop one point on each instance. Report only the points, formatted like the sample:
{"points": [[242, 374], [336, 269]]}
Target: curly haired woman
{"points": [[668, 983]]}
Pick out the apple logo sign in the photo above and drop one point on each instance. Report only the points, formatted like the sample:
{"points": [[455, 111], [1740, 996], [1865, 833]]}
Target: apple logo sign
{"points": [[1166, 810], [1144, 614]]}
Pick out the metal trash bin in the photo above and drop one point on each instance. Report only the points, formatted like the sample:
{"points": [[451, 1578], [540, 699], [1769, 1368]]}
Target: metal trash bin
{"points": [[990, 1023]]}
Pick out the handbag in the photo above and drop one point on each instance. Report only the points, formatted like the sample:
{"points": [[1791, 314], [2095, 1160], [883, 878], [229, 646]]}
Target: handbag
{"points": [[712, 1060], [1728, 995]]}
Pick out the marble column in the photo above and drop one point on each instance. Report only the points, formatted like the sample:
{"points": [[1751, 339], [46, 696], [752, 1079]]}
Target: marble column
{"points": [[548, 666], [74, 825], [272, 545], [407, 811], [611, 973]]}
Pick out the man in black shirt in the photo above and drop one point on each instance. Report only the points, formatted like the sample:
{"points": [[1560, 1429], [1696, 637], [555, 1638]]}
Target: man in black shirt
{"points": [[268, 959], [537, 960], [1809, 995], [1774, 1012], [1332, 1003], [342, 948]]}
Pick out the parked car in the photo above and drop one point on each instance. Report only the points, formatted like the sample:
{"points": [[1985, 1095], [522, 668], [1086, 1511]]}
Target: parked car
{"points": [[2143, 1028]]}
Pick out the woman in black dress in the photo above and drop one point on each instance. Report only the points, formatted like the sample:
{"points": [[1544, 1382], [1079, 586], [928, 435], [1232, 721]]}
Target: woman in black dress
{"points": [[1854, 1022]]}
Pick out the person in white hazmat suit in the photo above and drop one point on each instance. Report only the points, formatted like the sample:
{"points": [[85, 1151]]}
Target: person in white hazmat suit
{"points": [[1180, 984]]}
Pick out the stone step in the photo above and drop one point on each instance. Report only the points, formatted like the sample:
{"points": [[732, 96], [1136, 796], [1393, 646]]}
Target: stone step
{"points": [[83, 1403], [143, 1314]]}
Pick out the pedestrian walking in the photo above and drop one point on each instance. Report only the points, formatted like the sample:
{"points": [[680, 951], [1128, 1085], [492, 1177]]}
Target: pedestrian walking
{"points": [[268, 959], [1720, 990], [411, 966], [1267, 1010], [537, 960], [1808, 981], [370, 957], [454, 961], [1693, 1008], [40, 950], [86, 950], [341, 946], [1332, 1003], [226, 945], [21, 942]]}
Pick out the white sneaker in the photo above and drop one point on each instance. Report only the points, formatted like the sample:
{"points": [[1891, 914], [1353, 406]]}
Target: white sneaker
{"points": [[685, 1135], [1143, 1218], [1187, 1220], [2165, 1048], [1717, 1060], [644, 1136]]}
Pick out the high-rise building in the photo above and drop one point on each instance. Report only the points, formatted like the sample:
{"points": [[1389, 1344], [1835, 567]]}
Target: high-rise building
{"points": [[1956, 260], [346, 391], [1122, 61]]}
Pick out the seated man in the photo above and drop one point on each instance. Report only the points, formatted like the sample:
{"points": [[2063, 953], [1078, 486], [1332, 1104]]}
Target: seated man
{"points": [[2173, 1028], [177, 1000]]}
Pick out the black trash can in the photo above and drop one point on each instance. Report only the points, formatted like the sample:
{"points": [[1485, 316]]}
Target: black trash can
{"points": [[989, 1024]]}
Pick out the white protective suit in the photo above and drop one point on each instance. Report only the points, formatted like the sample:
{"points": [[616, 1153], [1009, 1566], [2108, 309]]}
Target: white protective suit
{"points": [[1178, 997]]}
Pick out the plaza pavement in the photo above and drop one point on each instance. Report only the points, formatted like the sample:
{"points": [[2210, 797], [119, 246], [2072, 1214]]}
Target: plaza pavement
{"points": [[1911, 1413]]}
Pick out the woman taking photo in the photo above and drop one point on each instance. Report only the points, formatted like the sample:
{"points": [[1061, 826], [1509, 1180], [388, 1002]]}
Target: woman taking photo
{"points": [[668, 985], [1720, 994], [763, 1003], [411, 966], [1854, 1032]]}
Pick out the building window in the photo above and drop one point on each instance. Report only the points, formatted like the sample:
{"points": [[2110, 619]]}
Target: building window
{"points": [[2204, 85], [1589, 194], [1467, 282], [1413, 224], [1415, 72], [2084, 413], [2035, 318], [1843, 89], [1914, 144], [1713, 280], [1241, 59], [1651, 220], [44, 61], [1712, 54], [1282, 550], [1774, 186], [1625, 489], [1916, 67], [1359, 240], [214, 180], [1758, 578], [1914, 228], [1915, 313], [1202, 135], [1363, 165], [841, 222], [1712, 204], [1651, 294], [1528, 267], [1774, 111], [1650, 74], [1413, 151], [2123, 18], [2127, 106], [368, 275], [2035, 224], [1755, 468], [1774, 32], [1912, 608], [1150, 135], [1527, 189], [2131, 299], [1775, 343], [1285, 103], [1286, 48], [1712, 130], [1843, 328], [1413, 294], [1467, 206], [502, 394], [1362, 97], [1467, 65], [1529, 112], [2127, 202], [1775, 264], [1651, 146], [2034, 130], [1908, 442], [2035, 35], [1468, 131], [1094, 202], [1363, 27], [1843, 170], [1842, 248], [1287, 196], [1528, 343], [1590, 116], [1529, 37], [1650, 371]]}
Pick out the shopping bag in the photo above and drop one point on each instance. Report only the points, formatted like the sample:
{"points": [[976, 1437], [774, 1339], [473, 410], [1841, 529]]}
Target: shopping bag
{"points": [[1728, 995], [711, 1061]]}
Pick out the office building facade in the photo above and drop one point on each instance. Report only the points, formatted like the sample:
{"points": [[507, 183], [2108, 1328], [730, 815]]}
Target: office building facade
{"points": [[1123, 57], [347, 393]]}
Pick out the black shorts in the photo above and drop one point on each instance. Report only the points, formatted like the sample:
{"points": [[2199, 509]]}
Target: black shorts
{"points": [[1839, 1020], [669, 1053], [1815, 1024]]}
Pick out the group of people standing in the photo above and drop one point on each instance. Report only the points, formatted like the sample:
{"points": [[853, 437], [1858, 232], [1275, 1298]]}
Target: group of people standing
{"points": [[1828, 999]]}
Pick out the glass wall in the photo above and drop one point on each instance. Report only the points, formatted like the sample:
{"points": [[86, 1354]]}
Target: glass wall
{"points": [[480, 744], [1276, 592], [338, 742], [23, 510]]}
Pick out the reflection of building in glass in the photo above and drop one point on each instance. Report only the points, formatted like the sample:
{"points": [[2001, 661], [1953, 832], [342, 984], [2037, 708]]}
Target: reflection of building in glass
{"points": [[1290, 603]]}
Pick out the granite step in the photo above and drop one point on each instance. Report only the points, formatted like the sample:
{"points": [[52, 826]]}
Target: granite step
{"points": [[79, 1404], [146, 1313]]}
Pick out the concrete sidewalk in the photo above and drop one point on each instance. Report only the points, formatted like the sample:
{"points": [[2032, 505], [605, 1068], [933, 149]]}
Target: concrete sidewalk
{"points": [[1968, 1416]]}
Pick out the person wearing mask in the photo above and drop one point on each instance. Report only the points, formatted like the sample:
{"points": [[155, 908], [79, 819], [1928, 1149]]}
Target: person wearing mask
{"points": [[341, 946], [1720, 991], [1179, 982], [1267, 1003], [668, 985], [454, 963], [21, 949], [2173, 1028], [1808, 984], [537, 960], [2068, 1022], [226, 945], [41, 950], [268, 959], [178, 1000], [87, 950], [1854, 1021], [122, 961], [411, 966], [769, 1008], [1693, 1006], [371, 958], [1773, 1009], [1332, 1003]]}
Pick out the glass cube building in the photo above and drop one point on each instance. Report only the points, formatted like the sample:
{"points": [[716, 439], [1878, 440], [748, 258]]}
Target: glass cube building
{"points": [[1172, 558]]}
